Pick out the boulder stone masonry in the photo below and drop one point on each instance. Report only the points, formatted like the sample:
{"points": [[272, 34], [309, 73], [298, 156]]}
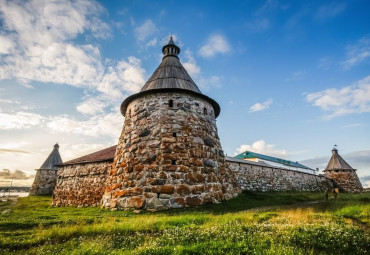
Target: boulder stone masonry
{"points": [[44, 182], [255, 177], [81, 184], [169, 155], [345, 180]]}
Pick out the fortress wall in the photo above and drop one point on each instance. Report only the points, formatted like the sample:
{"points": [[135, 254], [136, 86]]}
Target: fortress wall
{"points": [[81, 184], [44, 182], [255, 177]]}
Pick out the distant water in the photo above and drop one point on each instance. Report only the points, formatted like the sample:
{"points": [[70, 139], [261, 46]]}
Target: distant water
{"points": [[19, 194]]}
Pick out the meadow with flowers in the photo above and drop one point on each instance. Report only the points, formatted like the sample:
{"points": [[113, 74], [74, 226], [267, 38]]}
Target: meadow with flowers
{"points": [[253, 223]]}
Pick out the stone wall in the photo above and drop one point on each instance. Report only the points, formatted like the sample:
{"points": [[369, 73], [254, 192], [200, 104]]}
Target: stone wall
{"points": [[44, 182], [346, 180], [81, 184], [169, 155], [253, 176]]}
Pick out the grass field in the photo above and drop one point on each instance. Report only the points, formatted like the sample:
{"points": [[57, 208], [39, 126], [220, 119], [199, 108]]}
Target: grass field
{"points": [[253, 223]]}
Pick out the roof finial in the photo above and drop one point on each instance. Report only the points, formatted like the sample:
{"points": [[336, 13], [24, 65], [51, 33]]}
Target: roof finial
{"points": [[171, 49]]}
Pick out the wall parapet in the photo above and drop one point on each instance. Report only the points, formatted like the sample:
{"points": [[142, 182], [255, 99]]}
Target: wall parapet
{"points": [[255, 176]]}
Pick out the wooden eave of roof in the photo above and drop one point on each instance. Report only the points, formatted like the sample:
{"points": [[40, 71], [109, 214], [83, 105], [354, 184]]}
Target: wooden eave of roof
{"points": [[99, 156], [171, 74]]}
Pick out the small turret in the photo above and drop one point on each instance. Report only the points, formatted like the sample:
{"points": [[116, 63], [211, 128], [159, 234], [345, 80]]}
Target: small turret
{"points": [[342, 173], [46, 175]]}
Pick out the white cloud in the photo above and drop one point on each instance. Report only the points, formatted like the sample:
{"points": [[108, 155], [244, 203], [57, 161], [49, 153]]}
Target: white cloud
{"points": [[92, 106], [19, 120], [6, 45], [125, 75], [152, 43], [261, 147], [104, 124], [347, 100], [147, 29], [260, 106], [99, 125], [207, 83], [13, 148], [215, 44], [204, 83], [357, 53], [190, 64], [40, 34], [330, 10]]}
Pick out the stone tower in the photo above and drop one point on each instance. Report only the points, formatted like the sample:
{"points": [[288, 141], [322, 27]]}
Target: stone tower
{"points": [[169, 154], [46, 175], [342, 173]]}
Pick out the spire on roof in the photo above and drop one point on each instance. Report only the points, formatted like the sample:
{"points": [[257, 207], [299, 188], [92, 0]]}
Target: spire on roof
{"points": [[170, 49], [53, 159]]}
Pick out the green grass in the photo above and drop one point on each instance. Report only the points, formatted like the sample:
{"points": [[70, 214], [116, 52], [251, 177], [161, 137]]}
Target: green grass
{"points": [[253, 223]]}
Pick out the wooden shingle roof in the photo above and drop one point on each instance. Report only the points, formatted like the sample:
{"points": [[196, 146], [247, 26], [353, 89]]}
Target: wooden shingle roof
{"points": [[102, 155], [171, 74], [336, 162], [53, 160]]}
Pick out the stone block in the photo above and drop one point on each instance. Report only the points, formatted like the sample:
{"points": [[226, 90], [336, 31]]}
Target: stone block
{"points": [[193, 201], [155, 203], [209, 142], [158, 181], [136, 202], [177, 202], [145, 132], [183, 190]]}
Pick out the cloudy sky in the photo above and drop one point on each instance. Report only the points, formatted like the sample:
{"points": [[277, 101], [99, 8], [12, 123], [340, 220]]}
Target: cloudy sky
{"points": [[292, 77]]}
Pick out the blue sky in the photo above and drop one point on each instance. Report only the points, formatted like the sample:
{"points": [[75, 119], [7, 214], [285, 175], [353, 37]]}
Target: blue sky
{"points": [[292, 77]]}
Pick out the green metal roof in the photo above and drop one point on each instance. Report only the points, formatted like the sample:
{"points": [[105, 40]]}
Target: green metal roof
{"points": [[249, 154]]}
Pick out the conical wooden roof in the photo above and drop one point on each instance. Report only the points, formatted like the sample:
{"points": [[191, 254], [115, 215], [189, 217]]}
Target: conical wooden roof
{"points": [[170, 76], [336, 162], [52, 160]]}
